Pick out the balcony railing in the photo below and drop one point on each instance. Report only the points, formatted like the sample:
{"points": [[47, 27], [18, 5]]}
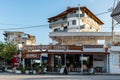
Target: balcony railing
{"points": [[58, 22], [75, 15]]}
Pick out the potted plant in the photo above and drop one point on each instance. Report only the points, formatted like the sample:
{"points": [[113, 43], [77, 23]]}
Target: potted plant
{"points": [[23, 70], [38, 69], [18, 69]]}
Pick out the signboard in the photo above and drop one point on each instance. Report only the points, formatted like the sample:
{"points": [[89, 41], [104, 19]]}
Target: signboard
{"points": [[40, 47], [53, 47], [62, 70], [31, 55], [28, 50], [15, 60]]}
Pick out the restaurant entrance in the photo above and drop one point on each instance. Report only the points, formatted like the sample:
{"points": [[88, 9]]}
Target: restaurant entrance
{"points": [[73, 62]]}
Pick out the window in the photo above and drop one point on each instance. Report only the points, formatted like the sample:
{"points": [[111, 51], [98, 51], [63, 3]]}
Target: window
{"points": [[82, 27], [55, 20], [82, 15], [22, 42], [64, 18], [90, 27], [74, 11], [68, 23], [73, 22], [65, 29], [55, 30], [19, 35]]}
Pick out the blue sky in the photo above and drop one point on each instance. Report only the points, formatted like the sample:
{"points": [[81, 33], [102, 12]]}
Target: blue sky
{"points": [[36, 12]]}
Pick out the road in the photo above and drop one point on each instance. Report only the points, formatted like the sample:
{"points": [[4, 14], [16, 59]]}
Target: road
{"points": [[11, 76]]}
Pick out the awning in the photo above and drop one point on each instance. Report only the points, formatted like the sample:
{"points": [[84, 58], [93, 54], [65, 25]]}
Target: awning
{"points": [[88, 53], [38, 54], [116, 13]]}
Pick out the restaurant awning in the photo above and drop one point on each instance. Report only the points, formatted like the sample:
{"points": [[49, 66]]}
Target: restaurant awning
{"points": [[116, 13], [37, 54]]}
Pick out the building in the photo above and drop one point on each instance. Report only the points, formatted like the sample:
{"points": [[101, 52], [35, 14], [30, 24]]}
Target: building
{"points": [[70, 29], [115, 60], [68, 21], [19, 38], [115, 49], [77, 46]]}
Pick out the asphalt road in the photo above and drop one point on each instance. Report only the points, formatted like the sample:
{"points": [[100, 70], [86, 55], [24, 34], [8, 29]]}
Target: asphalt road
{"points": [[11, 76]]}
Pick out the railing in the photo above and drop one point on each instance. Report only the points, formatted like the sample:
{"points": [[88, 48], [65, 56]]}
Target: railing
{"points": [[75, 15], [58, 22]]}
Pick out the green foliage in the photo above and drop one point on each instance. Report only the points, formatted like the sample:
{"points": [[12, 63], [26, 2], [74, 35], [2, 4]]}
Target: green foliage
{"points": [[23, 70], [9, 67], [19, 68], [7, 50]]}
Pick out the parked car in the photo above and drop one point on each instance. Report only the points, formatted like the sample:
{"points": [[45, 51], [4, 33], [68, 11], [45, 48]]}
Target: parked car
{"points": [[2, 67]]}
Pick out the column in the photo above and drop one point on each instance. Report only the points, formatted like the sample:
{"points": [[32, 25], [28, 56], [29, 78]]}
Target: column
{"points": [[65, 59], [108, 63], [23, 63], [81, 63]]}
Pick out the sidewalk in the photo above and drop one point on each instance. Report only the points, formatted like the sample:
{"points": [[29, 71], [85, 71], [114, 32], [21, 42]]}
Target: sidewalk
{"points": [[77, 73]]}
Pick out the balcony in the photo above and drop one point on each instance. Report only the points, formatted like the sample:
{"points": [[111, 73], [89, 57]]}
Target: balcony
{"points": [[75, 15], [57, 22], [58, 30]]}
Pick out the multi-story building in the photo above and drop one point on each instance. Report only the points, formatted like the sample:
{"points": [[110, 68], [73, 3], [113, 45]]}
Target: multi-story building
{"points": [[77, 43], [68, 24], [80, 27], [68, 21], [19, 38]]}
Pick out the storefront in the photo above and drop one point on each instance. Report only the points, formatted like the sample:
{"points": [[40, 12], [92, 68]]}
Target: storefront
{"points": [[75, 58]]}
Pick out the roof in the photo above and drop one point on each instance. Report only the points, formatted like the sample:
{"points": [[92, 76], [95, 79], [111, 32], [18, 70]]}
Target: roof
{"points": [[8, 32], [84, 9], [116, 13]]}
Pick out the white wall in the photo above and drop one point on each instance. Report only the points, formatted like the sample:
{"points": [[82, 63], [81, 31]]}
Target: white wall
{"points": [[98, 64], [94, 49], [114, 62]]}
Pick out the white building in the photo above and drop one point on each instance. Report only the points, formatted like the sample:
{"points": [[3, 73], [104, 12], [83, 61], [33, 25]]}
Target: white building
{"points": [[69, 21], [16, 37], [114, 60], [66, 31]]}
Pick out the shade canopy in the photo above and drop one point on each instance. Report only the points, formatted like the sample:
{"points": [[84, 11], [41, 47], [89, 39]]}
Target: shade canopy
{"points": [[116, 13]]}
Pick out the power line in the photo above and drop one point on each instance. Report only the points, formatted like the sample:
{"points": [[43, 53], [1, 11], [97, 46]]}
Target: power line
{"points": [[104, 12], [14, 24], [40, 26]]}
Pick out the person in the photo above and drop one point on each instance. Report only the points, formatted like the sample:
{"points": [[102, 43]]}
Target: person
{"points": [[65, 70]]}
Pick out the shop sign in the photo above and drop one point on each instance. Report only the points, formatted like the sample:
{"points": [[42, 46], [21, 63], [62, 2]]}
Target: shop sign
{"points": [[47, 47], [53, 47], [31, 55], [16, 60]]}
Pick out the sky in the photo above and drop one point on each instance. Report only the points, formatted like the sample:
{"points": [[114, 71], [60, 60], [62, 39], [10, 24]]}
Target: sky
{"points": [[27, 13]]}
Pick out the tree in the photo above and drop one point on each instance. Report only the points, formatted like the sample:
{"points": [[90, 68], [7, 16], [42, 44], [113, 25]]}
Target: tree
{"points": [[7, 50]]}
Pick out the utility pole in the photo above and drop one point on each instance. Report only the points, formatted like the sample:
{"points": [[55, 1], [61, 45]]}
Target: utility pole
{"points": [[113, 25], [78, 17], [112, 31]]}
